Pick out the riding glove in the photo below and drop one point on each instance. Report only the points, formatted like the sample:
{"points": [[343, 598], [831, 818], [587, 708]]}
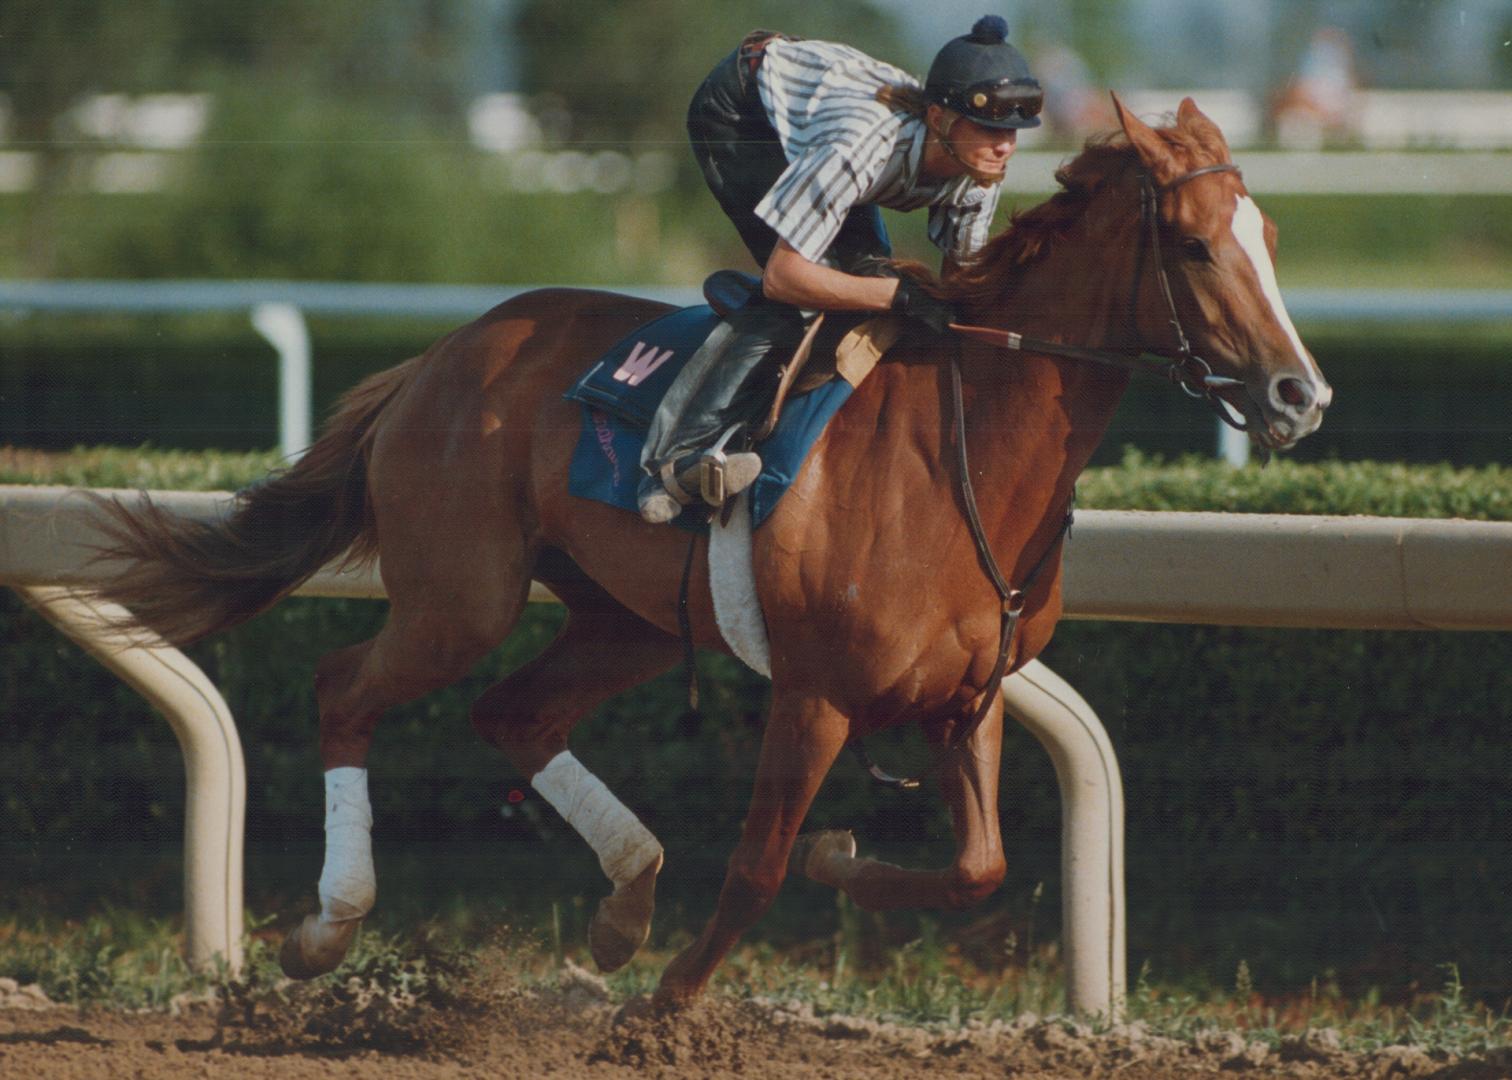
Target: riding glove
{"points": [[912, 302]]}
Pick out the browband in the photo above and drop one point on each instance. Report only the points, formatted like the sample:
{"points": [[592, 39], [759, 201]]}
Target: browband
{"points": [[1195, 173]]}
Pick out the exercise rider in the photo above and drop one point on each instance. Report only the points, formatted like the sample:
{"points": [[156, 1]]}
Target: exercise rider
{"points": [[801, 142]]}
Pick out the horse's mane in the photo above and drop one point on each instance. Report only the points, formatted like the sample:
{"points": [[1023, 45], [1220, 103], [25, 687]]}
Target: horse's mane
{"points": [[1031, 232]]}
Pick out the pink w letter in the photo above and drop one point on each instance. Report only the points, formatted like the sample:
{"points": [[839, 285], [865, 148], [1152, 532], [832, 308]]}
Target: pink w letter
{"points": [[641, 362]]}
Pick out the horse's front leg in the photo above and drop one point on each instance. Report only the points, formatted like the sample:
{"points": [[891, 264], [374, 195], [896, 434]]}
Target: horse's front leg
{"points": [[969, 782], [802, 740]]}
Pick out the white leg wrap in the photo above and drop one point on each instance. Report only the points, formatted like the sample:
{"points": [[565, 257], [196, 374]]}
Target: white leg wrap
{"points": [[624, 846], [348, 885]]}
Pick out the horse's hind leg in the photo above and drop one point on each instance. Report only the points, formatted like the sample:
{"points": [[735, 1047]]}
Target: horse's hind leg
{"points": [[969, 781], [602, 650], [802, 739], [436, 630]]}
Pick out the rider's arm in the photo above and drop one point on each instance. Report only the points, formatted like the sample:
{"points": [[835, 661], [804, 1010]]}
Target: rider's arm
{"points": [[791, 279]]}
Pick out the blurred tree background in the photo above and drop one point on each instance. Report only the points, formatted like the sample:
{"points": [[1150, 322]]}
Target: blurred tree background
{"points": [[336, 142], [626, 68], [340, 140]]}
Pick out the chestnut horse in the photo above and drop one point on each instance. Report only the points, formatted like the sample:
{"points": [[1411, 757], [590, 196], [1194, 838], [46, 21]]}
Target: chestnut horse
{"points": [[877, 611]]}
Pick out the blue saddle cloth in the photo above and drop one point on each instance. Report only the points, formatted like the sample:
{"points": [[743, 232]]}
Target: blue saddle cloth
{"points": [[621, 390]]}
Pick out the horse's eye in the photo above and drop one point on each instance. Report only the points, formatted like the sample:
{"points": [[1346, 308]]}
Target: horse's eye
{"points": [[1193, 248]]}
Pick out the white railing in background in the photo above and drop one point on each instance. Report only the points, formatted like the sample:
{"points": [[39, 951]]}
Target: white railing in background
{"points": [[278, 308], [1225, 569]]}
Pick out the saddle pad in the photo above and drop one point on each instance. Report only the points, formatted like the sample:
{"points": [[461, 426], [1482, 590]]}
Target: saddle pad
{"points": [[630, 379], [617, 410]]}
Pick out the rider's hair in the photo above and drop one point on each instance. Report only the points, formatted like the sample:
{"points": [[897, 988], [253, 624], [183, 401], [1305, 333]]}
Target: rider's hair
{"points": [[901, 97]]}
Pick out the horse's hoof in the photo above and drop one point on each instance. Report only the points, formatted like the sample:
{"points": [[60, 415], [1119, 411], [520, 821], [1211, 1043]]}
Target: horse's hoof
{"points": [[637, 1008], [622, 922], [667, 1000], [316, 947], [817, 855]]}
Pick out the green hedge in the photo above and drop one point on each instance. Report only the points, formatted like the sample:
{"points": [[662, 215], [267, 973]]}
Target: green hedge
{"points": [[1138, 482], [1309, 801]]}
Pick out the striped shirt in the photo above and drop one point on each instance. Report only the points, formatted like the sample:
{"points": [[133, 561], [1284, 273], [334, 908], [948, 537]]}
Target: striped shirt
{"points": [[845, 149]]}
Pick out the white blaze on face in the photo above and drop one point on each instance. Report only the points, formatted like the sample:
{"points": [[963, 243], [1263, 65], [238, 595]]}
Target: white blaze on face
{"points": [[1249, 230]]}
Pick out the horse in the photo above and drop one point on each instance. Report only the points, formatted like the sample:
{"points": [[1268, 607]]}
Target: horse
{"points": [[866, 593]]}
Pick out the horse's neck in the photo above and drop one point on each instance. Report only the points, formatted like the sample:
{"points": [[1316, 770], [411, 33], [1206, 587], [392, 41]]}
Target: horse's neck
{"points": [[1033, 421], [1080, 293], [1032, 424]]}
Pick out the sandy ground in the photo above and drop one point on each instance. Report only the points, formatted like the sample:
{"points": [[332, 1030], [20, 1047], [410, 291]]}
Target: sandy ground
{"points": [[575, 1029]]}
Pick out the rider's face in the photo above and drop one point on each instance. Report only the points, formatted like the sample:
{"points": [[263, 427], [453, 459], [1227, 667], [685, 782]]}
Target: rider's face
{"points": [[984, 149]]}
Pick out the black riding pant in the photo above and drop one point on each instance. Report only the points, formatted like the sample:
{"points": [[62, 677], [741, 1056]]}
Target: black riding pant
{"points": [[741, 157]]}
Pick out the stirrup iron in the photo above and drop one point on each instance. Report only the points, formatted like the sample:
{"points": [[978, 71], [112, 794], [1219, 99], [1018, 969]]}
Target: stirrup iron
{"points": [[704, 477], [711, 470]]}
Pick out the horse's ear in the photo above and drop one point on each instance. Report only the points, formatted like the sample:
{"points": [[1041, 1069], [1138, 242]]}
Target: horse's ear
{"points": [[1152, 149], [1196, 123]]}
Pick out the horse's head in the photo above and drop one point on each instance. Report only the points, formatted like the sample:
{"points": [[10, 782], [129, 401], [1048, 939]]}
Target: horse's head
{"points": [[1218, 251]]}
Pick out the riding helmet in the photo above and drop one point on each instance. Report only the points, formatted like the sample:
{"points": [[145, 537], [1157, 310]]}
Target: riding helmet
{"points": [[982, 77]]}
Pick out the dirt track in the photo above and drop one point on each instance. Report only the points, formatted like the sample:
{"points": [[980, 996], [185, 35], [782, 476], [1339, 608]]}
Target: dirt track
{"points": [[573, 1030]]}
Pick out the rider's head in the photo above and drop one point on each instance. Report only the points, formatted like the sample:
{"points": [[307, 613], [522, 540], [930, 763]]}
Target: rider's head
{"points": [[983, 78]]}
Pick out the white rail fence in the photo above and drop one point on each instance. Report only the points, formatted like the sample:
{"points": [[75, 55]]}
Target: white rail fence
{"points": [[1225, 569]]}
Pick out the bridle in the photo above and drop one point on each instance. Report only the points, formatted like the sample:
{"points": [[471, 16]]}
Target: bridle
{"points": [[1186, 369]]}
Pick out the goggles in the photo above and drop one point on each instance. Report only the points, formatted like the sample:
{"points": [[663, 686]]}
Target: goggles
{"points": [[1002, 100]]}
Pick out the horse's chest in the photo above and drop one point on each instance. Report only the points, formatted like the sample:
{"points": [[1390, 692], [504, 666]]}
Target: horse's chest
{"points": [[887, 661]]}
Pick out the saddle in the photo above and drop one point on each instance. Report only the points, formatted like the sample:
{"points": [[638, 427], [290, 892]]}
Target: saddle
{"points": [[798, 393], [848, 348]]}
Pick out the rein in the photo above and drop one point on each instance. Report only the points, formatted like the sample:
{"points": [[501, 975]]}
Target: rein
{"points": [[1187, 370]]}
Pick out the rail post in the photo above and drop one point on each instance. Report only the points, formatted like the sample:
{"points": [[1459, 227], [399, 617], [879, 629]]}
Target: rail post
{"points": [[1092, 835], [215, 774], [283, 326]]}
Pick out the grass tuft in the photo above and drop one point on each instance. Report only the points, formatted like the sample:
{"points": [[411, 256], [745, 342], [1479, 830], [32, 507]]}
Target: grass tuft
{"points": [[389, 987]]}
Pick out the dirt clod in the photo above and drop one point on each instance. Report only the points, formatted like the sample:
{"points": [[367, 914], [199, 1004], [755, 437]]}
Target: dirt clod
{"points": [[15, 996], [1317, 1044]]}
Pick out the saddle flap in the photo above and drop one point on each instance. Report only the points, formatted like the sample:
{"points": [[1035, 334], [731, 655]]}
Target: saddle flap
{"points": [[730, 290]]}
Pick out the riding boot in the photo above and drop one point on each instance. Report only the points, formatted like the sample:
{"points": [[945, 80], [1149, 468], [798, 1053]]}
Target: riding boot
{"points": [[722, 387]]}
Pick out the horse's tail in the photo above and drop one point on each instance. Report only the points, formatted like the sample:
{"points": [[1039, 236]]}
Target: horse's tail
{"points": [[186, 579]]}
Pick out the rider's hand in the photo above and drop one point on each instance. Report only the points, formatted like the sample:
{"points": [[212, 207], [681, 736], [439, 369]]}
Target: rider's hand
{"points": [[912, 302]]}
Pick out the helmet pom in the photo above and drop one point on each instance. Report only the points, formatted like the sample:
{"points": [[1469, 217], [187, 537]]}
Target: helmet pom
{"points": [[990, 30]]}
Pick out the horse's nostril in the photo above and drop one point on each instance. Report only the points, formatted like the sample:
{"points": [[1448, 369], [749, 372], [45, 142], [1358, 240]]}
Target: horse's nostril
{"points": [[1292, 392]]}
